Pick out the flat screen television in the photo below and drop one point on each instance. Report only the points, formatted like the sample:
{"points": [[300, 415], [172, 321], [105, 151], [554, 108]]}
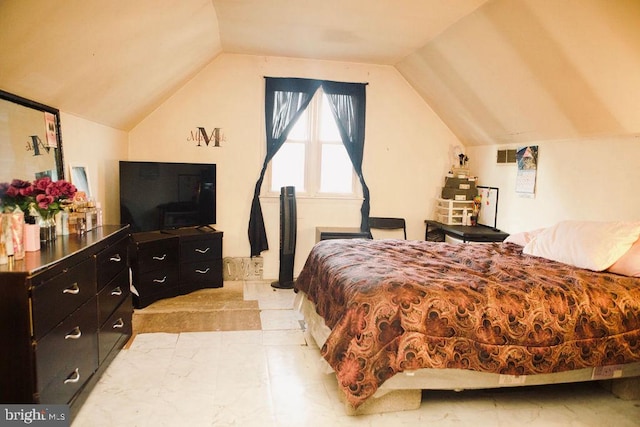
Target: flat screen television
{"points": [[161, 195]]}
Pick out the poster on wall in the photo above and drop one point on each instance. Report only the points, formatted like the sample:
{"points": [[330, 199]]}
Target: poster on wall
{"points": [[527, 159]]}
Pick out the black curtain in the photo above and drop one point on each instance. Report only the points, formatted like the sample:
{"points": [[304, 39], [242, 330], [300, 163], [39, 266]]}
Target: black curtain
{"points": [[285, 100], [348, 104]]}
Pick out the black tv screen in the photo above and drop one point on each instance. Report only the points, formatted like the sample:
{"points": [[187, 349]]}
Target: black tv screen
{"points": [[160, 195]]}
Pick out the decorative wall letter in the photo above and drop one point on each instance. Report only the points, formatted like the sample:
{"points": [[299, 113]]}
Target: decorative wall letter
{"points": [[200, 135]]}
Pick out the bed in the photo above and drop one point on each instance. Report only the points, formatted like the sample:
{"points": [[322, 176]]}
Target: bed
{"points": [[394, 317]]}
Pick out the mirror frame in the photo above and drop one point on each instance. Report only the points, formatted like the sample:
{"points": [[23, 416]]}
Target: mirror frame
{"points": [[44, 108]]}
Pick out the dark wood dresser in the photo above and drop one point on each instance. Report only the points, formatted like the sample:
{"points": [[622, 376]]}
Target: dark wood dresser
{"points": [[65, 311]]}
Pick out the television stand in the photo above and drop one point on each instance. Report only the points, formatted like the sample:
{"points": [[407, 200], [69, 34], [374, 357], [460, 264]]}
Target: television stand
{"points": [[175, 262], [200, 258]]}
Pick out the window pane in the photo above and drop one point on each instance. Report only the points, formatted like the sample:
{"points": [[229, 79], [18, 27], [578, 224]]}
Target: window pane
{"points": [[300, 130], [328, 127], [287, 167], [336, 170]]}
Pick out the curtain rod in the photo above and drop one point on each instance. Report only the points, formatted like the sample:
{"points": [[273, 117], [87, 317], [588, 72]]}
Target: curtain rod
{"points": [[320, 80]]}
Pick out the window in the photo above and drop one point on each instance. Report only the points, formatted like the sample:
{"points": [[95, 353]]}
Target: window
{"points": [[313, 158]]}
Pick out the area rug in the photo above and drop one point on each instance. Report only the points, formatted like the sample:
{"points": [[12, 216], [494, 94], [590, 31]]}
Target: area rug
{"points": [[218, 309]]}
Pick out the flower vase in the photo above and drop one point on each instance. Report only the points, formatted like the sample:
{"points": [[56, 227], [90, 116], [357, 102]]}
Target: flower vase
{"points": [[47, 225], [474, 217]]}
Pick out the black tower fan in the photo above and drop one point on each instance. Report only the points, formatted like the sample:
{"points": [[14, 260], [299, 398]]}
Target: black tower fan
{"points": [[287, 237]]}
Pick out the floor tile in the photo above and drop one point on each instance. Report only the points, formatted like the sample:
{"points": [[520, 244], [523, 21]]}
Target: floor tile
{"points": [[276, 377], [283, 337], [279, 320]]}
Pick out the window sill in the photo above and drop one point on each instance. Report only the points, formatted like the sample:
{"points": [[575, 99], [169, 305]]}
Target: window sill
{"points": [[276, 197]]}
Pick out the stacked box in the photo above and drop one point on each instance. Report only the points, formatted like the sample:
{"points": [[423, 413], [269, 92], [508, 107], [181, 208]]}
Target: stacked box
{"points": [[452, 212], [459, 189]]}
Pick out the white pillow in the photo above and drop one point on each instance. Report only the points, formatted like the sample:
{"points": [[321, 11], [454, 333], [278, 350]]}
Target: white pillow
{"points": [[629, 263], [523, 237], [586, 244]]}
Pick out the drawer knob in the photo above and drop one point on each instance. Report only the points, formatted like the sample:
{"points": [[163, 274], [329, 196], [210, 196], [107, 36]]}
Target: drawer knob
{"points": [[119, 324], [74, 334], [160, 280], [74, 377], [203, 271], [73, 289], [116, 292], [160, 258], [116, 258], [202, 251]]}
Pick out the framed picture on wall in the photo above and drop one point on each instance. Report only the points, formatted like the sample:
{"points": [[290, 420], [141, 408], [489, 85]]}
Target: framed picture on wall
{"points": [[79, 177]]}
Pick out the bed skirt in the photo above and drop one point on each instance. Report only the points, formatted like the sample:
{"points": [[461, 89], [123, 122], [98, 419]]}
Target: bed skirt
{"points": [[460, 379]]}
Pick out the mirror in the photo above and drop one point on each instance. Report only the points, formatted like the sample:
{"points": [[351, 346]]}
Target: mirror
{"points": [[30, 140]]}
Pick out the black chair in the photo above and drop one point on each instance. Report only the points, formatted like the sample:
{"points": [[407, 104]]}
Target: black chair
{"points": [[382, 223]]}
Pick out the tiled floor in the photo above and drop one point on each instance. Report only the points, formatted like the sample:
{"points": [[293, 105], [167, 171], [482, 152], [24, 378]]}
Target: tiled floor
{"points": [[273, 378]]}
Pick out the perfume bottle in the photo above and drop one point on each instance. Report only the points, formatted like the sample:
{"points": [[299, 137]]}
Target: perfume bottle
{"points": [[17, 233], [31, 235]]}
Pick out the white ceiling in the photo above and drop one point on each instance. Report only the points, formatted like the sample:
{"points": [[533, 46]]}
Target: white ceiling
{"points": [[114, 61], [495, 71], [378, 31]]}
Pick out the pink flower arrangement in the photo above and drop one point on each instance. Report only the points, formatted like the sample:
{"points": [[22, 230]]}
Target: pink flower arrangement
{"points": [[42, 194]]}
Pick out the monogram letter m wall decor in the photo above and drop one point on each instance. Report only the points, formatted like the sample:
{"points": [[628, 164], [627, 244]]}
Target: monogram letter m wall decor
{"points": [[200, 135]]}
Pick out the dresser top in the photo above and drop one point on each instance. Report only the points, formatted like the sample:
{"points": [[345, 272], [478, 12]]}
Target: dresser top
{"points": [[65, 247]]}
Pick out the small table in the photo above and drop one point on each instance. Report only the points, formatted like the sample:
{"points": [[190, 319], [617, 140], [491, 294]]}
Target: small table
{"points": [[326, 233], [477, 233]]}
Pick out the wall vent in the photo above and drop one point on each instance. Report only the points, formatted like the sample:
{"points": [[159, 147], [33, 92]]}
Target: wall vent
{"points": [[506, 156]]}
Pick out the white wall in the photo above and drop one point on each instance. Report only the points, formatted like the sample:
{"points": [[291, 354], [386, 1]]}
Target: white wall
{"points": [[407, 152], [99, 148], [406, 149], [588, 179]]}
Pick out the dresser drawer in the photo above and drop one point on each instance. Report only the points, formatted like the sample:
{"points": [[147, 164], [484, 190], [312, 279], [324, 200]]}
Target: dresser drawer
{"points": [[68, 355], [157, 255], [157, 281], [205, 273], [112, 295], [155, 285], [55, 299], [198, 250], [115, 328], [110, 262]]}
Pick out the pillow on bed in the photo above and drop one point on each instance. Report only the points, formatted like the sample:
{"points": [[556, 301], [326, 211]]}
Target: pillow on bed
{"points": [[523, 238], [629, 263], [586, 244]]}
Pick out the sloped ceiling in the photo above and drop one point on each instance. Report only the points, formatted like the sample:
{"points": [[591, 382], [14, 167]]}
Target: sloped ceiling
{"points": [[533, 70], [111, 62], [114, 61], [380, 31], [496, 71]]}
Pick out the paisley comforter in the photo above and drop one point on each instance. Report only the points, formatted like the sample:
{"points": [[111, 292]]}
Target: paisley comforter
{"points": [[396, 305]]}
